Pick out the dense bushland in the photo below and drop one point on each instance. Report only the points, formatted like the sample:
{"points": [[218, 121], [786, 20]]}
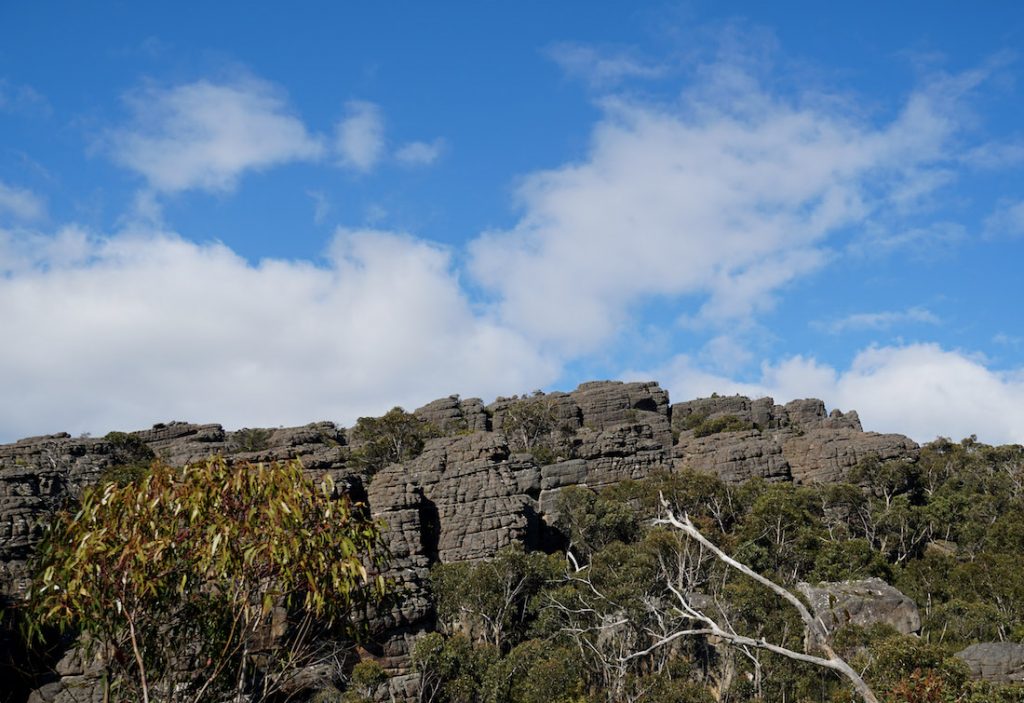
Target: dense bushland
{"points": [[948, 530]]}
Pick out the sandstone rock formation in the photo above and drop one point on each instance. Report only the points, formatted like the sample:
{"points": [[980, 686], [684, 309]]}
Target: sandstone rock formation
{"points": [[1001, 662], [474, 489], [864, 603]]}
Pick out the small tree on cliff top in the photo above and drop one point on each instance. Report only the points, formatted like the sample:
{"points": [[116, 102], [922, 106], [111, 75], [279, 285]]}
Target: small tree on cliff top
{"points": [[207, 580]]}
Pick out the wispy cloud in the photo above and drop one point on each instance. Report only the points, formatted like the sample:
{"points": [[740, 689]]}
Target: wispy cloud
{"points": [[22, 99], [1006, 221], [419, 153], [205, 135], [359, 136], [321, 206], [20, 204], [925, 242], [879, 320], [599, 69], [715, 203], [995, 155]]}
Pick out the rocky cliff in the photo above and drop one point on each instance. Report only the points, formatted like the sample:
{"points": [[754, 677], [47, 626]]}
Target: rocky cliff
{"points": [[489, 480]]}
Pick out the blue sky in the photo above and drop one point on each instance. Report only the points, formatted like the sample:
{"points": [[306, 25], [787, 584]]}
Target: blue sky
{"points": [[237, 213]]}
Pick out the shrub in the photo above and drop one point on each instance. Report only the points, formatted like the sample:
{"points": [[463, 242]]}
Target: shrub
{"points": [[195, 581]]}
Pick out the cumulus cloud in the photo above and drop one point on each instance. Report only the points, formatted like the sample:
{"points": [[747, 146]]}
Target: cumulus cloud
{"points": [[122, 331], [20, 204], [879, 320], [920, 390], [718, 202], [205, 135], [419, 153], [597, 68], [359, 136]]}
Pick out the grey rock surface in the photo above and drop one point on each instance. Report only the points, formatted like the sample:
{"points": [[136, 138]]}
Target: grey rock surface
{"points": [[866, 602], [999, 662], [452, 415], [733, 456], [826, 455]]}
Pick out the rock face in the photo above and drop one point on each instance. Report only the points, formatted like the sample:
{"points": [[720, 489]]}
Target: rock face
{"points": [[1001, 662], [480, 486], [827, 455], [796, 442], [734, 456], [864, 603]]}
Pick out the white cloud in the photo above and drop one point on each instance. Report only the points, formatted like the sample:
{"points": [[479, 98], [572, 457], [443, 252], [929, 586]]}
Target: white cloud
{"points": [[920, 390], [1006, 221], [205, 135], [359, 136], [597, 68], [879, 320], [141, 327], [20, 204], [717, 203], [419, 153]]}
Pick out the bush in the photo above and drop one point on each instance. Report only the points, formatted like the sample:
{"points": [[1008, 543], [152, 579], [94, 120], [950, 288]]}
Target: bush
{"points": [[130, 458], [198, 580]]}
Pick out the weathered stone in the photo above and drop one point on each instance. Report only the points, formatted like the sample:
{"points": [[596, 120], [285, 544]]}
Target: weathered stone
{"points": [[1001, 662], [605, 404], [733, 456], [451, 415], [826, 455], [867, 602]]}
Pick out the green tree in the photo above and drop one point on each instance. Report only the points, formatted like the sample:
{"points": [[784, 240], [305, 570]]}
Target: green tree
{"points": [[451, 670], [590, 522], [536, 671], [494, 599], [208, 579], [129, 458], [397, 436]]}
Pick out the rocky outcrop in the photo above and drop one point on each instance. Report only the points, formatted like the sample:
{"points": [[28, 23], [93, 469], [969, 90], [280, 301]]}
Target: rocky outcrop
{"points": [[999, 662], [763, 413], [797, 442], [733, 456], [826, 455], [477, 487], [451, 415], [864, 603]]}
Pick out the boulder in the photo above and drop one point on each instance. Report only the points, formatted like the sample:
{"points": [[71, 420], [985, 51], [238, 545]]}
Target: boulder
{"points": [[1001, 662], [867, 602]]}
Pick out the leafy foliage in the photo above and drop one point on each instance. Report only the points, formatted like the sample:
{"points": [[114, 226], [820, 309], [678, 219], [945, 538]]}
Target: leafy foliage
{"points": [[252, 439], [208, 578], [494, 598], [531, 426], [397, 436], [704, 426], [130, 458]]}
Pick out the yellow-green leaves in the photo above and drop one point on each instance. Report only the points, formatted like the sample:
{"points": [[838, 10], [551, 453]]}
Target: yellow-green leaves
{"points": [[183, 553]]}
